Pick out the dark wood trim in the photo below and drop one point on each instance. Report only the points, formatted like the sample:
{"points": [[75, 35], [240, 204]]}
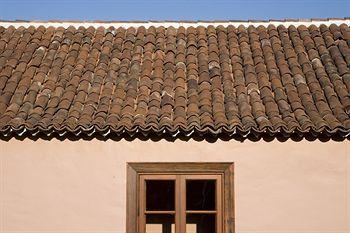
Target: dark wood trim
{"points": [[134, 170], [131, 200], [229, 201], [180, 167]]}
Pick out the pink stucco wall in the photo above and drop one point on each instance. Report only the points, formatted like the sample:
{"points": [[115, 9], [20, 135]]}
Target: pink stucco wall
{"points": [[79, 186]]}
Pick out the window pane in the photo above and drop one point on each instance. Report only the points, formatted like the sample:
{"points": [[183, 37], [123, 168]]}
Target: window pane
{"points": [[200, 194], [200, 223], [160, 194], [160, 223]]}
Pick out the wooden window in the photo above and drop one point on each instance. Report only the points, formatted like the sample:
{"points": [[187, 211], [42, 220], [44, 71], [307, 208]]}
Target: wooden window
{"points": [[180, 198]]}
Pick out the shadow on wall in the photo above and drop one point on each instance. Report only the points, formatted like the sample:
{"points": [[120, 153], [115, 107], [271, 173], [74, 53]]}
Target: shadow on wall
{"points": [[208, 137]]}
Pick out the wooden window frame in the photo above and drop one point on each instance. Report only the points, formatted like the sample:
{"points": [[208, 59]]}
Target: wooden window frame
{"points": [[135, 170]]}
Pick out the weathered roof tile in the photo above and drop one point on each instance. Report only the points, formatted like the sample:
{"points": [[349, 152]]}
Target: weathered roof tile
{"points": [[207, 79]]}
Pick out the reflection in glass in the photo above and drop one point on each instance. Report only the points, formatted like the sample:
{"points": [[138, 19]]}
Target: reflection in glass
{"points": [[160, 223], [160, 195], [200, 194], [200, 223]]}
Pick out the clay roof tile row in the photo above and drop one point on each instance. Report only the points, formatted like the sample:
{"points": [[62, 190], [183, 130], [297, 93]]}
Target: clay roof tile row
{"points": [[220, 79]]}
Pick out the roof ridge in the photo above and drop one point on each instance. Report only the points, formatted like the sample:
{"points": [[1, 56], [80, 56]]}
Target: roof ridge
{"points": [[174, 23]]}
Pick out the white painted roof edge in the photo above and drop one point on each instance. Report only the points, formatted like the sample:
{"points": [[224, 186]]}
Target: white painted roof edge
{"points": [[175, 24]]}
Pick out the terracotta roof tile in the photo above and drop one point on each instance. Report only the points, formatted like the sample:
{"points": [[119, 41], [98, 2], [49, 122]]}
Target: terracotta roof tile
{"points": [[207, 79]]}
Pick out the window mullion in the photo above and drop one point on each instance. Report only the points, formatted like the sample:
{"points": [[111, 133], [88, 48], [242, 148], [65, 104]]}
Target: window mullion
{"points": [[182, 203], [177, 204]]}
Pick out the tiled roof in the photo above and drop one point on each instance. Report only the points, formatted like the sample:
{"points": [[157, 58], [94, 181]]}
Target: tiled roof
{"points": [[215, 79]]}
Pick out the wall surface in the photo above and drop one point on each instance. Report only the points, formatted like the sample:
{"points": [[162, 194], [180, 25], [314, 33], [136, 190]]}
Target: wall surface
{"points": [[80, 186]]}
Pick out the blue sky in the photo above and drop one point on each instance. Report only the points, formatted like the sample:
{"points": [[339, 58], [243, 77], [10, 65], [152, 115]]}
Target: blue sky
{"points": [[170, 9]]}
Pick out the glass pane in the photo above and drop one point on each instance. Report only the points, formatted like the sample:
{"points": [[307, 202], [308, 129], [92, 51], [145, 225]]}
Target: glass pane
{"points": [[160, 194], [160, 223], [200, 223], [200, 194]]}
